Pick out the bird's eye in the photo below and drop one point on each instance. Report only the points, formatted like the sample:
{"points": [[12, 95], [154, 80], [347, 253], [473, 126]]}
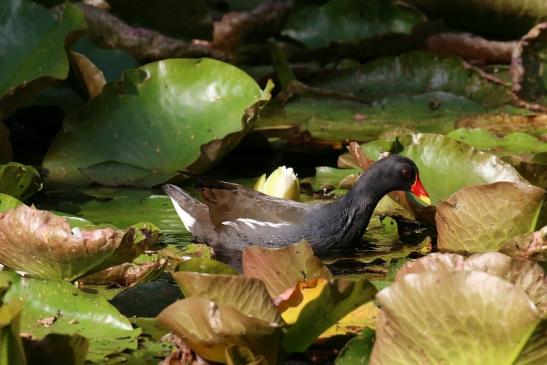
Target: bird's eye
{"points": [[405, 173]]}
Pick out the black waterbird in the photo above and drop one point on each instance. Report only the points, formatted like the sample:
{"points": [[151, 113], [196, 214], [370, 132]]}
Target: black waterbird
{"points": [[233, 216]]}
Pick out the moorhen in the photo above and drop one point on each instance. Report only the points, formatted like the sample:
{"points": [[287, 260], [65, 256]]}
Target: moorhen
{"points": [[232, 216]]}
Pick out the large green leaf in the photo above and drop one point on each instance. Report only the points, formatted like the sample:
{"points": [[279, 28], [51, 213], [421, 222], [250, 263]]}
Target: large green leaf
{"points": [[447, 165], [160, 118], [280, 269], [357, 351], [465, 317], [71, 311], [11, 347], [32, 49], [8, 202], [482, 218], [498, 18], [318, 26], [19, 181], [516, 142], [416, 91], [43, 244]]}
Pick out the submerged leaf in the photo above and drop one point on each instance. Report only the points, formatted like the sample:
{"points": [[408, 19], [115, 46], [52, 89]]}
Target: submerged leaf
{"points": [[319, 25], [43, 244], [160, 118], [464, 317], [482, 218]]}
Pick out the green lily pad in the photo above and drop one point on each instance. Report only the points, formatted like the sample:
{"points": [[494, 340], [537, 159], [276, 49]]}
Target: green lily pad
{"points": [[504, 123], [490, 17], [337, 298], [206, 265], [357, 351], [452, 318], [281, 268], [160, 118], [482, 218], [32, 51], [71, 311], [447, 165], [19, 181], [123, 207], [11, 351], [317, 26], [513, 143], [43, 244], [8, 202], [209, 328]]}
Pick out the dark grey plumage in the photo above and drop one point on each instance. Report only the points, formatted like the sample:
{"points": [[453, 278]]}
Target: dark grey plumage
{"points": [[234, 216]]}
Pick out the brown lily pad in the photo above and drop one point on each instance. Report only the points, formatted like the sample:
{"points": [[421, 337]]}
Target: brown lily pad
{"points": [[43, 244]]}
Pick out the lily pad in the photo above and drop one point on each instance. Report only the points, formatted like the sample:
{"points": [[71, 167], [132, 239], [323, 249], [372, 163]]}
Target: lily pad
{"points": [[513, 143], [127, 274], [525, 274], [32, 50], [317, 26], [12, 351], [482, 218], [209, 328], [71, 311], [19, 181], [206, 265], [452, 318], [503, 123], [281, 268], [8, 202], [447, 165], [357, 351], [43, 244], [330, 301], [531, 246], [160, 118], [248, 295]]}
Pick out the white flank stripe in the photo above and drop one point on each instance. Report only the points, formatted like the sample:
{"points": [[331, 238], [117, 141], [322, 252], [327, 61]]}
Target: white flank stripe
{"points": [[186, 218]]}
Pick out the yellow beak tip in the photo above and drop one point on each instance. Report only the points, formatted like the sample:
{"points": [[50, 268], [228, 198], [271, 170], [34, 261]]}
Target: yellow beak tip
{"points": [[424, 199]]}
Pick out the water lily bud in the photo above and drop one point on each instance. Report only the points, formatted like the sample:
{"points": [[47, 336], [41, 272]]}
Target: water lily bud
{"points": [[282, 183]]}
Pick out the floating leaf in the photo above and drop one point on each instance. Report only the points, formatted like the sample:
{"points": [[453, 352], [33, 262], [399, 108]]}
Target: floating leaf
{"points": [[206, 265], [248, 295], [8, 202], [281, 268], [162, 117], [482, 218], [74, 311], [32, 52], [11, 349], [525, 274], [532, 246], [357, 350], [516, 142], [317, 26], [19, 181], [502, 124], [209, 328], [452, 318], [43, 244], [329, 302], [126, 274]]}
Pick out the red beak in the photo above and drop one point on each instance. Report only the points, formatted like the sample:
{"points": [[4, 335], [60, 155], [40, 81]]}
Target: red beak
{"points": [[419, 191]]}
